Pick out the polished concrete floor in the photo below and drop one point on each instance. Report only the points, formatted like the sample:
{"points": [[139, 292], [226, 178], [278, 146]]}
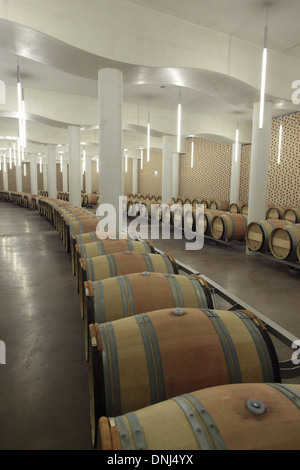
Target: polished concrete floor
{"points": [[44, 385]]}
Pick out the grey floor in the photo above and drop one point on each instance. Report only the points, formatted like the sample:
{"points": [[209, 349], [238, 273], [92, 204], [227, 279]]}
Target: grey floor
{"points": [[44, 385]]}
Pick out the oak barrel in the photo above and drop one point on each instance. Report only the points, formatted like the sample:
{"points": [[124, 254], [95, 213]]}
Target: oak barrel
{"points": [[228, 226], [105, 247], [117, 264], [219, 204], [154, 356], [276, 212], [293, 215], [227, 417], [236, 207], [258, 233], [122, 296], [283, 242]]}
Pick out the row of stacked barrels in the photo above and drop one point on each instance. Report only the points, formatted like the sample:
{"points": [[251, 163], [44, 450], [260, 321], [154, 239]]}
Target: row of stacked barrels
{"points": [[87, 199], [162, 358], [278, 234], [21, 199]]}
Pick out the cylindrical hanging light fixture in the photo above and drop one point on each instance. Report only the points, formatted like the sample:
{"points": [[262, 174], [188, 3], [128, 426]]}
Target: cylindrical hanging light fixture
{"points": [[15, 156], [61, 163], [236, 144], [148, 139], [19, 91], [142, 158], [9, 153], [84, 157], [97, 164], [263, 79], [4, 161], [179, 123], [24, 121], [41, 165], [0, 163], [25, 169], [192, 153], [280, 141]]}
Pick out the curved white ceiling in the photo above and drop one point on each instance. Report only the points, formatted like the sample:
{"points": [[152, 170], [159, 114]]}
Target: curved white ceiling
{"points": [[51, 66]]}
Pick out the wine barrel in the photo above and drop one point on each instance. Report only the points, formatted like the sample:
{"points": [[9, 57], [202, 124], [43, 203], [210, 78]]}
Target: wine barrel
{"points": [[74, 217], [283, 242], [154, 356], [92, 237], [241, 416], [245, 209], [71, 222], [177, 216], [133, 208], [145, 208], [206, 202], [219, 204], [208, 216], [116, 264], [90, 199], [293, 215], [258, 233], [236, 207], [122, 296], [105, 247], [276, 212], [78, 227], [228, 226]]}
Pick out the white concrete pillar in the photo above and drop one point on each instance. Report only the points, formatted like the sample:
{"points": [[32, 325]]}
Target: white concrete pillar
{"points": [[259, 166], [52, 191], [19, 178], [74, 166], [45, 176], [175, 175], [88, 175], [167, 169], [110, 104], [5, 173], [65, 175], [235, 173], [33, 174], [135, 176]]}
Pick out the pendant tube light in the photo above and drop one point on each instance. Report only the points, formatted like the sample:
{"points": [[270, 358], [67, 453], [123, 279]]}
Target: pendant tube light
{"points": [[10, 160], [84, 157], [280, 142], [179, 123], [263, 80], [15, 156], [192, 153], [41, 166], [24, 121], [24, 169], [19, 90], [142, 158], [0, 163], [61, 163], [4, 161], [148, 139], [97, 164], [236, 144]]}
